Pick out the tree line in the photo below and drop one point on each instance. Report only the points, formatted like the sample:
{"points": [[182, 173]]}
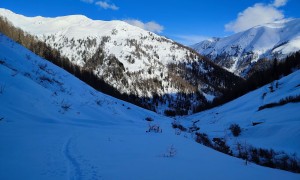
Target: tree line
{"points": [[181, 105], [86, 75], [274, 71], [230, 87]]}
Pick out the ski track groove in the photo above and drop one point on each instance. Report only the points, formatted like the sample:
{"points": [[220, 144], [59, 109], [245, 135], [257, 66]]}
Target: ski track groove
{"points": [[74, 170]]}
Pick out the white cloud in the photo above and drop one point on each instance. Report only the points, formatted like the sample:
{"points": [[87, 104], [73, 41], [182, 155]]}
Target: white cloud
{"points": [[106, 5], [280, 3], [87, 1], [256, 15], [149, 26], [189, 39]]}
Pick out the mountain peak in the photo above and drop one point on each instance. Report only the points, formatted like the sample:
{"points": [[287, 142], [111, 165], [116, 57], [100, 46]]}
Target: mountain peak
{"points": [[237, 52]]}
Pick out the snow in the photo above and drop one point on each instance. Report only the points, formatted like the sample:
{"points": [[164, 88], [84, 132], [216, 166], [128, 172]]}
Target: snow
{"points": [[209, 97], [277, 39], [76, 27], [98, 137], [68, 35], [141, 55], [280, 128], [292, 46]]}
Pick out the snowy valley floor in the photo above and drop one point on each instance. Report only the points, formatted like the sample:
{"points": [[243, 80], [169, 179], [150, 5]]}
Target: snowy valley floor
{"points": [[56, 127]]}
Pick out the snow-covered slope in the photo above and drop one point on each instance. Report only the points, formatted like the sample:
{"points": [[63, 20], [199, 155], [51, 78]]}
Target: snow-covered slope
{"points": [[240, 51], [76, 28], [279, 126], [54, 126], [132, 60], [97, 137]]}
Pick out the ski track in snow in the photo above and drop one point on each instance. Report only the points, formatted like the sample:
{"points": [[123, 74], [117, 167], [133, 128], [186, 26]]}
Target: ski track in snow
{"points": [[77, 167], [74, 170]]}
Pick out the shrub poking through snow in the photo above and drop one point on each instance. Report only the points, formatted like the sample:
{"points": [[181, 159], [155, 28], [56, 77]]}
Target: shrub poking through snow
{"points": [[2, 89], [220, 145], [269, 158], [99, 102], [263, 157], [289, 99], [202, 138], [177, 125], [256, 123], [193, 128], [65, 106], [149, 119], [235, 129], [171, 151], [154, 128], [170, 113]]}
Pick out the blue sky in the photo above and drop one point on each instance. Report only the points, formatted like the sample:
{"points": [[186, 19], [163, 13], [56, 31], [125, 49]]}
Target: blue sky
{"points": [[187, 21]]}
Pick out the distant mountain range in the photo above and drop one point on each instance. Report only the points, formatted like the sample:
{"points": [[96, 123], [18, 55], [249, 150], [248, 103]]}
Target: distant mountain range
{"points": [[136, 62], [240, 52]]}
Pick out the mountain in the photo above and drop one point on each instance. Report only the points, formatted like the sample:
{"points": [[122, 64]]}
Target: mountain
{"points": [[159, 72], [262, 126], [275, 107], [54, 126], [239, 53]]}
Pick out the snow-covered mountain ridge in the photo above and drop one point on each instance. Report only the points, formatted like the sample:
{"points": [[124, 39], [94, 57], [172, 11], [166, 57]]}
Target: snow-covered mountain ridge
{"points": [[53, 126], [239, 52], [58, 31], [132, 60]]}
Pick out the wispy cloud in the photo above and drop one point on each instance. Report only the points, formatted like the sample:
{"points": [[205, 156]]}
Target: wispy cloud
{"points": [[88, 1], [189, 39], [280, 3], [106, 5], [149, 26], [258, 14]]}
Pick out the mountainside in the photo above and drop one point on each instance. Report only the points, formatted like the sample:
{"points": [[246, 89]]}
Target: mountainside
{"points": [[132, 60], [54, 126], [240, 52], [268, 117]]}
